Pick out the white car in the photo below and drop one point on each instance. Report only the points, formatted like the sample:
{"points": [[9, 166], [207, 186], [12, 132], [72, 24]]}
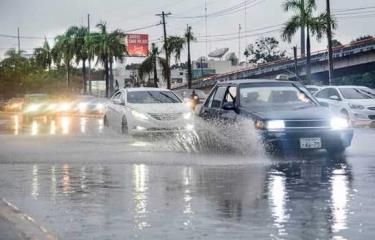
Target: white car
{"points": [[356, 103], [147, 110], [313, 88]]}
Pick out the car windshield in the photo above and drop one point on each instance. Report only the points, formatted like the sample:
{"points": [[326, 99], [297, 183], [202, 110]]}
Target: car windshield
{"points": [[356, 93], [147, 97], [273, 96]]}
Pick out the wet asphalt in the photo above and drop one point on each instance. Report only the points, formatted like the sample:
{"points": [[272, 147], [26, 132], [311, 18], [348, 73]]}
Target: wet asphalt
{"points": [[82, 180]]}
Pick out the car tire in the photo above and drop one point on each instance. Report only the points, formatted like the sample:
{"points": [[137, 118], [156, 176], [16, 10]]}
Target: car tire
{"points": [[345, 114], [105, 121], [124, 126]]}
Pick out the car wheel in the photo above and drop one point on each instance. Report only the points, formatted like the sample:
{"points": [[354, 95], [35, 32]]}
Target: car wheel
{"points": [[105, 121], [124, 126], [345, 115]]}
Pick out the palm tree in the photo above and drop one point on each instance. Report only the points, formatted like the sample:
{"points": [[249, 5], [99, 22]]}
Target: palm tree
{"points": [[63, 51], [80, 49], [303, 18], [150, 65], [116, 51], [43, 55]]}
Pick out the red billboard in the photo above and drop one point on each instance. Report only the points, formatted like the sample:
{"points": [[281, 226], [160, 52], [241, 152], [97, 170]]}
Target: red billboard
{"points": [[137, 45]]}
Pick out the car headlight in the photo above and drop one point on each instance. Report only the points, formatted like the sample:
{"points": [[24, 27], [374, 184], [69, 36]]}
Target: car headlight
{"points": [[356, 106], [100, 106], [82, 107], [139, 115], [187, 115], [339, 123], [275, 124], [33, 108], [64, 107]]}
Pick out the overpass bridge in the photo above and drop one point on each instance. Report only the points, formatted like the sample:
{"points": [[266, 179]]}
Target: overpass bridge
{"points": [[357, 57]]}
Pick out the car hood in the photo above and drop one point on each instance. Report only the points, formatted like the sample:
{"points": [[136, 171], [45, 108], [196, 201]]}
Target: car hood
{"points": [[308, 113], [160, 108], [364, 102]]}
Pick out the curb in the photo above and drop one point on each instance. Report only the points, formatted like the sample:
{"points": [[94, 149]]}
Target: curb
{"points": [[22, 224]]}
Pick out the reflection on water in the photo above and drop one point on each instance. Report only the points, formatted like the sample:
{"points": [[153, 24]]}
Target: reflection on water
{"points": [[188, 211], [339, 189], [278, 198], [83, 124], [34, 128], [275, 201], [16, 124], [53, 183], [66, 179], [52, 130], [65, 125], [140, 187], [35, 182]]}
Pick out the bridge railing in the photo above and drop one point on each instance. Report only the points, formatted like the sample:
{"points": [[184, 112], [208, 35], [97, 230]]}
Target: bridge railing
{"points": [[321, 55]]}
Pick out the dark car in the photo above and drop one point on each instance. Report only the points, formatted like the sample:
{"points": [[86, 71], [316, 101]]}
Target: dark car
{"points": [[285, 114]]}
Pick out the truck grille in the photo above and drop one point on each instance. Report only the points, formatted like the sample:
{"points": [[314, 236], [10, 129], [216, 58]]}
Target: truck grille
{"points": [[372, 117], [166, 116], [307, 124]]}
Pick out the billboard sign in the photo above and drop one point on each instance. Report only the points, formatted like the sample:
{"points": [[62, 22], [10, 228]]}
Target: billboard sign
{"points": [[137, 45]]}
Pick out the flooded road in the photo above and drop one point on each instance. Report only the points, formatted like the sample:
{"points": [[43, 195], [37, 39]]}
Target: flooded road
{"points": [[83, 181]]}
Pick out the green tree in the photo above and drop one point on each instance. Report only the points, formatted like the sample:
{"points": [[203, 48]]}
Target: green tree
{"points": [[151, 63], [43, 55], [264, 50], [232, 57], [107, 47], [80, 49], [116, 51], [302, 19], [63, 51]]}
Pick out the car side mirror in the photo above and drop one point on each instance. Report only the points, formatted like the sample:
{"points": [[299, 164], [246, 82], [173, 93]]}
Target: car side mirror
{"points": [[228, 106], [323, 104], [118, 102], [334, 97]]}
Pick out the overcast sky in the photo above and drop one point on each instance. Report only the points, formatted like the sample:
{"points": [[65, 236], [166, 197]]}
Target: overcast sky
{"points": [[39, 18]]}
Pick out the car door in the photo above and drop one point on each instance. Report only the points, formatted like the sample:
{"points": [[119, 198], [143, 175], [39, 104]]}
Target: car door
{"points": [[226, 112], [204, 111], [213, 109], [112, 111]]}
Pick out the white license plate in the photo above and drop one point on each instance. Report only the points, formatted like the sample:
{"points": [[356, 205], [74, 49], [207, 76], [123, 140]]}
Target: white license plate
{"points": [[310, 143]]}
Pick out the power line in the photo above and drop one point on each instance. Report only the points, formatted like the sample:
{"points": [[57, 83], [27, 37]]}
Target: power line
{"points": [[226, 11], [248, 31]]}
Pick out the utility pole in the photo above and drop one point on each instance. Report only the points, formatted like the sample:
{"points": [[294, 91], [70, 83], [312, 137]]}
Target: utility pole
{"points": [[89, 75], [188, 37], [329, 37], [239, 42], [303, 35], [295, 62], [18, 38], [163, 14], [205, 21]]}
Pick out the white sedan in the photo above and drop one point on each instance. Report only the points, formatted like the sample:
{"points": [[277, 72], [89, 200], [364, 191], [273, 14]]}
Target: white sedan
{"points": [[147, 110], [356, 103]]}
